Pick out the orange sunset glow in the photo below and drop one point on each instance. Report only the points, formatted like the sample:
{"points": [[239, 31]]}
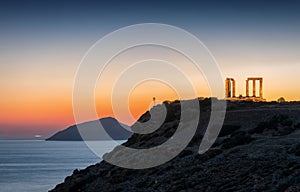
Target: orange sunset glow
{"points": [[139, 101], [37, 99]]}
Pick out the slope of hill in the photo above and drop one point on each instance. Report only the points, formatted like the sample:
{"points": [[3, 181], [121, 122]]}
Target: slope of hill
{"points": [[258, 149], [116, 130]]}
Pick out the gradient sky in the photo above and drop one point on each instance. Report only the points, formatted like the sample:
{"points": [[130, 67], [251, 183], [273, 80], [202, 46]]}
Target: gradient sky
{"points": [[42, 43]]}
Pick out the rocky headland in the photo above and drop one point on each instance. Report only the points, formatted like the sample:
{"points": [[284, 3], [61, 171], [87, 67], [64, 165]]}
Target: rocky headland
{"points": [[258, 149]]}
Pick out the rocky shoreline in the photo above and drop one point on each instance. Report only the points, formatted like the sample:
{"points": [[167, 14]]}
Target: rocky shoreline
{"points": [[258, 149]]}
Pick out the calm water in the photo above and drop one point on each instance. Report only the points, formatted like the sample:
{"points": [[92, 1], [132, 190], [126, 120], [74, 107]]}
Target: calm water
{"points": [[35, 166]]}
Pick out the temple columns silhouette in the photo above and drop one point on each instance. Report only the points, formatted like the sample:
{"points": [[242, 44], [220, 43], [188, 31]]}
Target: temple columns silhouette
{"points": [[230, 87], [254, 79], [230, 90]]}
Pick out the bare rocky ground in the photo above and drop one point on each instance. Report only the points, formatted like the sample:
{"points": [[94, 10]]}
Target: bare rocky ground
{"points": [[258, 149]]}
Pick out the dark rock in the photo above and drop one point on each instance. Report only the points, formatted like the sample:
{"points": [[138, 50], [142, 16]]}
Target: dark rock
{"points": [[297, 150], [241, 160], [214, 152], [278, 125], [185, 152], [228, 129], [239, 138], [297, 126]]}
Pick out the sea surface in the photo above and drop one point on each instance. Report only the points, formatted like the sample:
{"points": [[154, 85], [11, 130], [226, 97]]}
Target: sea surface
{"points": [[38, 165]]}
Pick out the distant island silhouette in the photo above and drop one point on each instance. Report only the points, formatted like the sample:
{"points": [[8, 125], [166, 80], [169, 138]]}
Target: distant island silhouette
{"points": [[112, 127]]}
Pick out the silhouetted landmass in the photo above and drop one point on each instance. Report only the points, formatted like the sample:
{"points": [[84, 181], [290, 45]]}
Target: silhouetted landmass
{"points": [[258, 149], [116, 130]]}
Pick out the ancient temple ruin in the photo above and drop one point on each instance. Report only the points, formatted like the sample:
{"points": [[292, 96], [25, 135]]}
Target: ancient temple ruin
{"points": [[254, 79], [230, 90], [230, 87]]}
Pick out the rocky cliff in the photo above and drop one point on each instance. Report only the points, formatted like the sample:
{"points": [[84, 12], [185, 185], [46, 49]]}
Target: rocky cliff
{"points": [[258, 149]]}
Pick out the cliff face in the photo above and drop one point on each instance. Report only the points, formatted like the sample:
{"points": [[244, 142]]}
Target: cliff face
{"points": [[258, 149]]}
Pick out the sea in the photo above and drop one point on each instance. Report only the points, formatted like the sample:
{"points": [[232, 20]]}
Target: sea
{"points": [[39, 165]]}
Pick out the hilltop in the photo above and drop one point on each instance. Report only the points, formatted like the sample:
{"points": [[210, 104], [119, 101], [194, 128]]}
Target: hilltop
{"points": [[258, 149], [115, 129]]}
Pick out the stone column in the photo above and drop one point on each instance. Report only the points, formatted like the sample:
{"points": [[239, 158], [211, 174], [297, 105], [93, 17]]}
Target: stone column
{"points": [[254, 88], [226, 88], [247, 88], [233, 88], [229, 88], [261, 88]]}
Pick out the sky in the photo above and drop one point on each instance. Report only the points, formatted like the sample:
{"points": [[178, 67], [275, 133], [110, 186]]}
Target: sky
{"points": [[43, 42]]}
